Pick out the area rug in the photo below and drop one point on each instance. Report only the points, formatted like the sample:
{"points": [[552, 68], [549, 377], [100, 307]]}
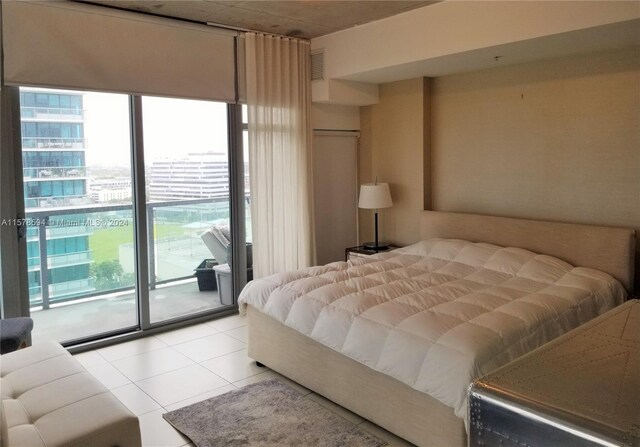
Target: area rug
{"points": [[267, 413]]}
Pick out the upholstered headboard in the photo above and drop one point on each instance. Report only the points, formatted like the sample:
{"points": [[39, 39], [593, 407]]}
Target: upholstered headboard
{"points": [[609, 249]]}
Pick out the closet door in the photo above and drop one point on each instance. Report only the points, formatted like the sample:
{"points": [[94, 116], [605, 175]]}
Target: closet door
{"points": [[335, 185]]}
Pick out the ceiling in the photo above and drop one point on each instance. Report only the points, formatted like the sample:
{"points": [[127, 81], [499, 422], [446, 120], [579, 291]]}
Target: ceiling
{"points": [[295, 18]]}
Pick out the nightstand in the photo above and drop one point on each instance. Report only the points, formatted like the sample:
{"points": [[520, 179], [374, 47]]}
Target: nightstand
{"points": [[361, 252]]}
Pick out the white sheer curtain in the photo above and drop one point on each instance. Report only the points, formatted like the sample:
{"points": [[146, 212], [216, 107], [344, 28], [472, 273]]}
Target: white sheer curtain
{"points": [[279, 100]]}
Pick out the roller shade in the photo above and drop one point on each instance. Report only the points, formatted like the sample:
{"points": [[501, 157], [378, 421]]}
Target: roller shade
{"points": [[78, 46]]}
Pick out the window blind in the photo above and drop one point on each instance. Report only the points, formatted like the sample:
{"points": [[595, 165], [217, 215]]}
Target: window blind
{"points": [[79, 46]]}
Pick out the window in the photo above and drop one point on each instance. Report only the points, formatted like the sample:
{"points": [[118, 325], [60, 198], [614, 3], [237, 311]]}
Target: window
{"points": [[57, 189], [75, 184], [42, 100], [45, 189], [54, 101]]}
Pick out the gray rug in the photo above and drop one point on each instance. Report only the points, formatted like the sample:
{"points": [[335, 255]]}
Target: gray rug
{"points": [[267, 413]]}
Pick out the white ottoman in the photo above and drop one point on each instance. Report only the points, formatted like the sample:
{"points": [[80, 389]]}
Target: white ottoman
{"points": [[49, 399]]}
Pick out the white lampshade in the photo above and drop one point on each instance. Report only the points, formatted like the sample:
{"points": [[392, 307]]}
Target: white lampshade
{"points": [[374, 196]]}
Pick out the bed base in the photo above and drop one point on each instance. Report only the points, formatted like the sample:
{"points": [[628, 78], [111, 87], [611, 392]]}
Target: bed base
{"points": [[410, 414]]}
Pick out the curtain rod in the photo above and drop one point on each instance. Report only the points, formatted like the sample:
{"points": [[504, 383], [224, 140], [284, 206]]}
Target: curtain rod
{"points": [[247, 30]]}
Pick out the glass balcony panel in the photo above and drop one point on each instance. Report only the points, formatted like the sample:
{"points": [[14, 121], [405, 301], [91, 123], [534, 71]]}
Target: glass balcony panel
{"points": [[53, 143], [52, 113], [55, 172], [70, 259]]}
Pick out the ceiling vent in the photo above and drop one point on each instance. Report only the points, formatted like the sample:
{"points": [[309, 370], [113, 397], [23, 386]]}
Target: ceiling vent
{"points": [[317, 65]]}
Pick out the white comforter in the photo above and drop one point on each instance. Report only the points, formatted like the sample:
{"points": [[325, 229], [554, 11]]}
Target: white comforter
{"points": [[438, 314]]}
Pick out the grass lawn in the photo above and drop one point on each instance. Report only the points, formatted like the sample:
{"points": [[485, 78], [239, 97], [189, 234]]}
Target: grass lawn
{"points": [[105, 242]]}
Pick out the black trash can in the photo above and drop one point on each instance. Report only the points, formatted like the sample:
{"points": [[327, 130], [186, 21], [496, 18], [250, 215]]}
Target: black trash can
{"points": [[206, 275]]}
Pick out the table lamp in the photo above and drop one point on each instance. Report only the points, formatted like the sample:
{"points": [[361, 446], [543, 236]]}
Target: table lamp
{"points": [[374, 196]]}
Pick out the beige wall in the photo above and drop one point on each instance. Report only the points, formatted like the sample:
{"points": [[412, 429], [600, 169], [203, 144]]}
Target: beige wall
{"points": [[555, 140], [392, 147], [335, 117]]}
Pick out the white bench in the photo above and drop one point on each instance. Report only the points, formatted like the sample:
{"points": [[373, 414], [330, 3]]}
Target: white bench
{"points": [[50, 400]]}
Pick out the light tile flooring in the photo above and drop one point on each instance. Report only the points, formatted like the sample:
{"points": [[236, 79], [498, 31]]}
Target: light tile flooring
{"points": [[163, 372]]}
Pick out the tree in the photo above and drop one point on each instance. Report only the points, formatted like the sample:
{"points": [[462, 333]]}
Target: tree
{"points": [[110, 275]]}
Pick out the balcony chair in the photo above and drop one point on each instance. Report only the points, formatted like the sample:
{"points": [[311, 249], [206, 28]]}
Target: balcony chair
{"points": [[218, 241]]}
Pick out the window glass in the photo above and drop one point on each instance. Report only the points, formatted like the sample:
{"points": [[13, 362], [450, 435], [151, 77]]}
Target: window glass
{"points": [[33, 249], [54, 101], [32, 191], [68, 187], [29, 129], [45, 189], [34, 279], [186, 160], [57, 189], [28, 99], [66, 274], [76, 102], [42, 100]]}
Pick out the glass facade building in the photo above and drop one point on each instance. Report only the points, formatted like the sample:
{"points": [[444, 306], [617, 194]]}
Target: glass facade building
{"points": [[54, 174]]}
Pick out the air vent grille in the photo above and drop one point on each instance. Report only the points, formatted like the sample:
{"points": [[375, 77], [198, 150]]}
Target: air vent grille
{"points": [[317, 65]]}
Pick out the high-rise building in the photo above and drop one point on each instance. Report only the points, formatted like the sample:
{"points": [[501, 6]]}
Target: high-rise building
{"points": [[198, 176], [54, 172], [110, 189]]}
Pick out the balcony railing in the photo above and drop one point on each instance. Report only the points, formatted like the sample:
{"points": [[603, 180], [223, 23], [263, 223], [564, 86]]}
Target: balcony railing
{"points": [[52, 202], [47, 173], [69, 259], [175, 247], [53, 143], [52, 113], [72, 287]]}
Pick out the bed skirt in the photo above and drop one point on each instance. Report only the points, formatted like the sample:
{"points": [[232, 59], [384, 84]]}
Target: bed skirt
{"points": [[385, 401]]}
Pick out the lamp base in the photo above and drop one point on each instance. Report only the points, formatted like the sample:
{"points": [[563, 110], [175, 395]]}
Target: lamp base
{"points": [[374, 247]]}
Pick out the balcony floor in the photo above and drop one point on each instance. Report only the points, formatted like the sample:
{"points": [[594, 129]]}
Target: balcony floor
{"points": [[112, 312]]}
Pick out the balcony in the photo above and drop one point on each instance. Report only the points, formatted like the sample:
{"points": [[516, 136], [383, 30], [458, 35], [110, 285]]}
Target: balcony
{"points": [[52, 114], [77, 319], [48, 173], [68, 260], [46, 143], [103, 299]]}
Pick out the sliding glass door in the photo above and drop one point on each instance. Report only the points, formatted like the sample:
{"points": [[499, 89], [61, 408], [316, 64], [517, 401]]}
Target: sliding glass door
{"points": [[77, 177], [187, 188], [83, 225]]}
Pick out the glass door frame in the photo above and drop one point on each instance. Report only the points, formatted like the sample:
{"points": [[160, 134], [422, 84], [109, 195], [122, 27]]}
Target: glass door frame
{"points": [[13, 284]]}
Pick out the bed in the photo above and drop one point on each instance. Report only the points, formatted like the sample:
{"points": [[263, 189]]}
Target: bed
{"points": [[398, 337]]}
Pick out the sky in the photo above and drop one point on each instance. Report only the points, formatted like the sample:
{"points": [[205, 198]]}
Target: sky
{"points": [[172, 128]]}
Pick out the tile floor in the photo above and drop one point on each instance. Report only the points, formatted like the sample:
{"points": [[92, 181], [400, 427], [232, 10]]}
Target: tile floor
{"points": [[163, 372]]}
